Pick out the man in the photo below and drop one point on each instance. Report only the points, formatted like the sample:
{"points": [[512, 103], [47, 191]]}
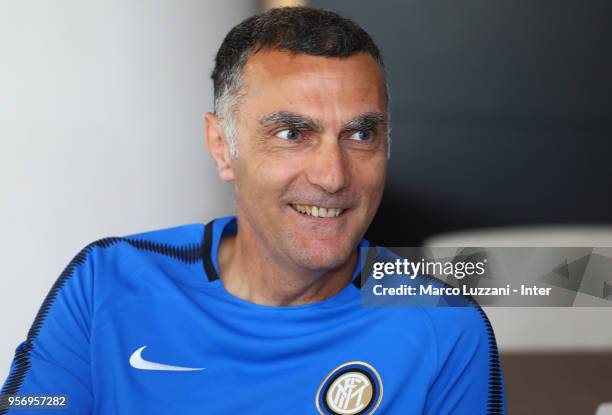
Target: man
{"points": [[260, 313]]}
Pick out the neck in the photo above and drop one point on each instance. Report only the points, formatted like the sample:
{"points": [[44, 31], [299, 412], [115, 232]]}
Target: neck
{"points": [[263, 279]]}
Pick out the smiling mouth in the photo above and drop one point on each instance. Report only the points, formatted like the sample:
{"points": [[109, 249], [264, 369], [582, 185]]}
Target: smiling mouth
{"points": [[317, 211]]}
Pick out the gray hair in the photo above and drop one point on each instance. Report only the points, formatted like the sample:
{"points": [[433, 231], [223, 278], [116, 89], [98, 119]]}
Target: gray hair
{"points": [[226, 104]]}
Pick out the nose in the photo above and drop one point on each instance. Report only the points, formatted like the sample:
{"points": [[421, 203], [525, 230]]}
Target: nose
{"points": [[328, 167]]}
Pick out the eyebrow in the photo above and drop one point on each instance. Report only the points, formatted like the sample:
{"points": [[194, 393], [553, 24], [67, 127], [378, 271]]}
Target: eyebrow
{"points": [[291, 120], [365, 121]]}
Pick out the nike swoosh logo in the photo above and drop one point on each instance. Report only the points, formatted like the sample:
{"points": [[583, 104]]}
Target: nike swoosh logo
{"points": [[137, 362]]}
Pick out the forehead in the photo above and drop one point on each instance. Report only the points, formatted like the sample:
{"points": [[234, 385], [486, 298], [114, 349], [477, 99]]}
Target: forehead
{"points": [[277, 78]]}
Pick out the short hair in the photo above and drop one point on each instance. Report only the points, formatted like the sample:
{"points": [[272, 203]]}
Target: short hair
{"points": [[295, 29]]}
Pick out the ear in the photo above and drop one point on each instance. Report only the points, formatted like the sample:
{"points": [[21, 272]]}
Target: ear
{"points": [[218, 146]]}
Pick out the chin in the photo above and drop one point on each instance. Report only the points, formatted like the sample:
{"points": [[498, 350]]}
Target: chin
{"points": [[322, 257]]}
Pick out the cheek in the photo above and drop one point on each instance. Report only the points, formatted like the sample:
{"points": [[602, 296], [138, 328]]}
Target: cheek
{"points": [[369, 177], [265, 177]]}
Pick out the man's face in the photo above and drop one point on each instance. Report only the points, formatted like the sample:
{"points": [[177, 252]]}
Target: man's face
{"points": [[312, 154]]}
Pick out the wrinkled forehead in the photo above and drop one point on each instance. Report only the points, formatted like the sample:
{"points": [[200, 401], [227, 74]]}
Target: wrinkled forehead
{"points": [[276, 80]]}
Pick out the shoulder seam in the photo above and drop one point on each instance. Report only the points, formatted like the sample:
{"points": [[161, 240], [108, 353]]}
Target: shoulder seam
{"points": [[189, 253], [22, 355]]}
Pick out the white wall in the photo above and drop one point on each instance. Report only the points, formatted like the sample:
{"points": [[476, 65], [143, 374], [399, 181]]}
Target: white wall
{"points": [[101, 113]]}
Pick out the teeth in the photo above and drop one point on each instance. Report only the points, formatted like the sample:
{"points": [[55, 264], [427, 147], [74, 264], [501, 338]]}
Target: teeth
{"points": [[318, 211]]}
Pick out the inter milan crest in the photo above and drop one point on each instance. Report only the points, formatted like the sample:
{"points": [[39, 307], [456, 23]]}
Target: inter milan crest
{"points": [[353, 388]]}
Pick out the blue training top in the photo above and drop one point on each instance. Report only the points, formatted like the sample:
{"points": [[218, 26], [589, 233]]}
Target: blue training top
{"points": [[143, 325]]}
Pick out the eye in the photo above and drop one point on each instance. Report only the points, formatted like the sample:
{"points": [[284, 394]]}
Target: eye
{"points": [[289, 134], [363, 135]]}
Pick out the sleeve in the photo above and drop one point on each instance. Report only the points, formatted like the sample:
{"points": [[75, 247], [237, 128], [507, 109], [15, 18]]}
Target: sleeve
{"points": [[54, 359], [469, 378]]}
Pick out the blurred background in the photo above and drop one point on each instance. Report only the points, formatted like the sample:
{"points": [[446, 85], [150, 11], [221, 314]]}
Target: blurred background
{"points": [[501, 127]]}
